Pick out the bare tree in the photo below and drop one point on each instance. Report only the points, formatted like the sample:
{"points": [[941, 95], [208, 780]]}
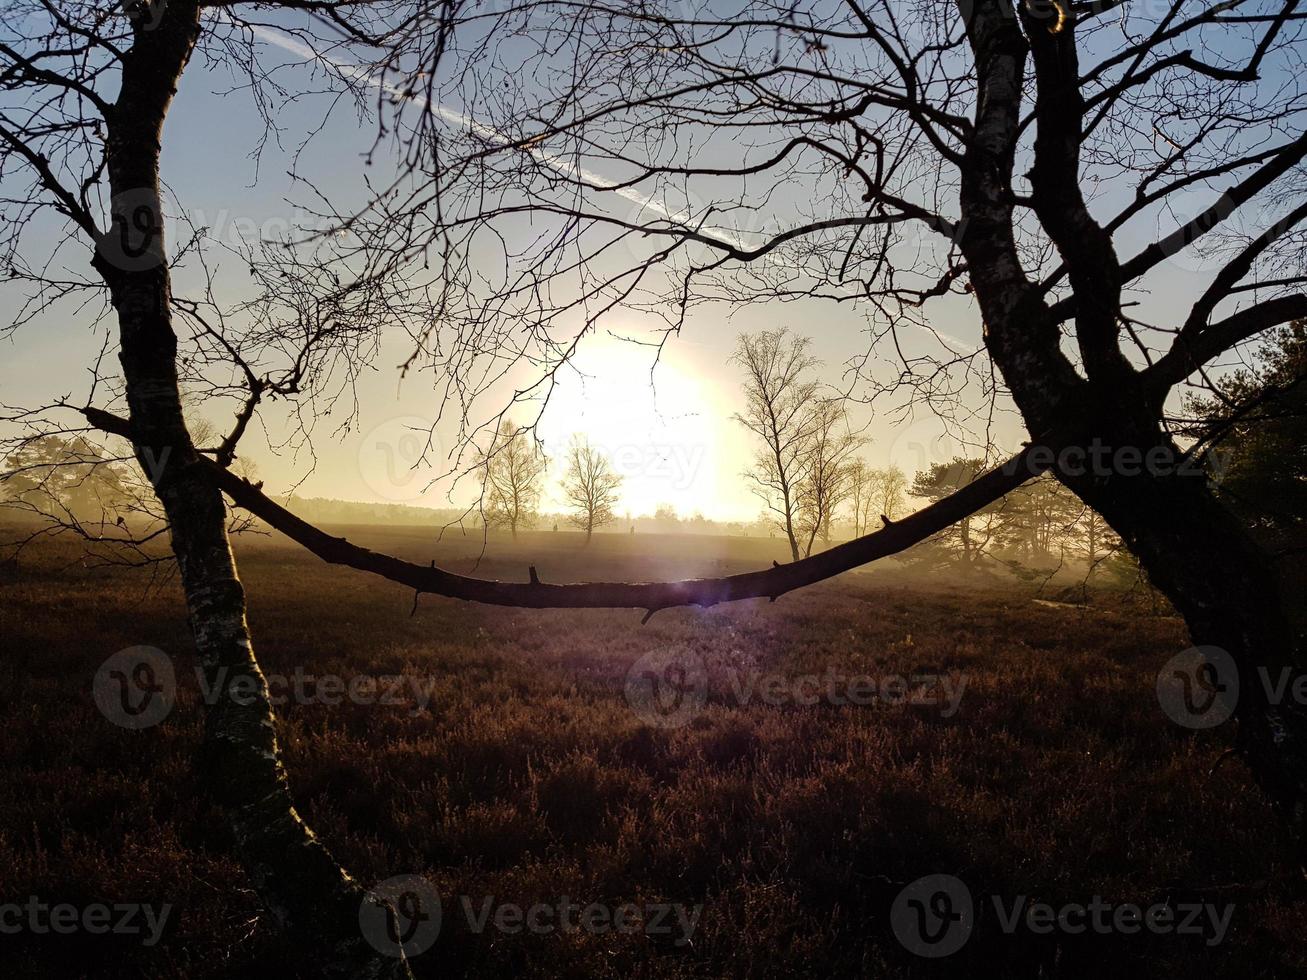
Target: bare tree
{"points": [[886, 492], [824, 469], [1019, 164], [85, 90], [590, 485], [513, 472], [1031, 167], [779, 399], [860, 494], [875, 496]]}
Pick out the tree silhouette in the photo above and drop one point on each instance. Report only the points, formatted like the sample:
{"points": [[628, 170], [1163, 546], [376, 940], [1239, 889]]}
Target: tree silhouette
{"points": [[513, 472], [1020, 166], [825, 469], [590, 485], [780, 397], [969, 539], [1256, 424]]}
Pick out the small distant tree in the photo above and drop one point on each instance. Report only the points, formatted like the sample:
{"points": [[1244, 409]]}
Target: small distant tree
{"points": [[887, 489], [874, 494], [666, 518], [825, 466], [779, 402], [590, 486], [513, 470], [859, 495]]}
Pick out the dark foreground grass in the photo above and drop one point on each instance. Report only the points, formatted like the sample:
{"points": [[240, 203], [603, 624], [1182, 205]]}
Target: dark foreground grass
{"points": [[531, 780]]}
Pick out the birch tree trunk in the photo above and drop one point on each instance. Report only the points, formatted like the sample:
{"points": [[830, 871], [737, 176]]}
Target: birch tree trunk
{"points": [[293, 873]]}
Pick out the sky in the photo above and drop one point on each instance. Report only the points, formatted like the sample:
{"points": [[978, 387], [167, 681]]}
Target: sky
{"points": [[674, 440]]}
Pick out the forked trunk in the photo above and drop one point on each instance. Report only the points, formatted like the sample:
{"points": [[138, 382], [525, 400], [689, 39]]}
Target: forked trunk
{"points": [[1193, 549]]}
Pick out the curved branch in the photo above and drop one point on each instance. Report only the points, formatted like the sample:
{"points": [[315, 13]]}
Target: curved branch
{"points": [[1239, 266], [772, 582]]}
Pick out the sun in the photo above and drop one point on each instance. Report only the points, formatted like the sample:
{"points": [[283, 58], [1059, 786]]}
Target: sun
{"points": [[664, 435]]}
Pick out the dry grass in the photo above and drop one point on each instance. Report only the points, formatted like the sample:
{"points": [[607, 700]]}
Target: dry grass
{"points": [[531, 779]]}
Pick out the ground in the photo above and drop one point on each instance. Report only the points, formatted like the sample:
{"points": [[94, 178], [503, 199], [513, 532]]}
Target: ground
{"points": [[530, 778]]}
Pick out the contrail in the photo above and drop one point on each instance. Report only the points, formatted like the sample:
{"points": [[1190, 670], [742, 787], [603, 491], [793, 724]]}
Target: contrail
{"points": [[462, 119], [552, 161]]}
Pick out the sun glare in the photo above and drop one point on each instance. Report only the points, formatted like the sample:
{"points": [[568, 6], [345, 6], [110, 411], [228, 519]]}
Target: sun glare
{"points": [[664, 435]]}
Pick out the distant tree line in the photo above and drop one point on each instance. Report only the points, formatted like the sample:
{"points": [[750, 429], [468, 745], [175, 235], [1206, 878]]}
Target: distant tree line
{"points": [[1041, 525], [807, 471]]}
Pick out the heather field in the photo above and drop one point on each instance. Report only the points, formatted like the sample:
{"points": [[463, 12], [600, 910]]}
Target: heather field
{"points": [[836, 746]]}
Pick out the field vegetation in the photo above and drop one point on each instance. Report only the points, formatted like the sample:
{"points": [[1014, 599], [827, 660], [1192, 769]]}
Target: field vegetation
{"points": [[530, 778]]}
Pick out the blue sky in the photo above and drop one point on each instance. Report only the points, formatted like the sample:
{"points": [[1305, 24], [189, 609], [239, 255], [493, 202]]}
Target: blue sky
{"points": [[214, 178]]}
